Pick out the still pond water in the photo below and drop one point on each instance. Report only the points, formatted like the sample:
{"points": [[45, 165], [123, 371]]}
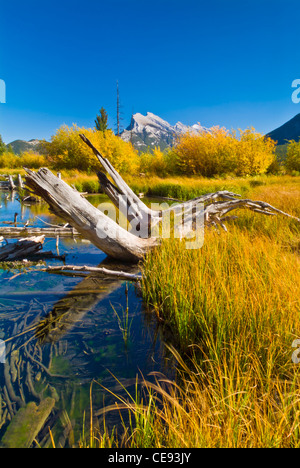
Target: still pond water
{"points": [[63, 332]]}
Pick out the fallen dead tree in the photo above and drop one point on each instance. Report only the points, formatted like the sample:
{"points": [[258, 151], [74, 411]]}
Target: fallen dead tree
{"points": [[22, 249], [94, 270], [95, 226], [15, 232], [213, 209]]}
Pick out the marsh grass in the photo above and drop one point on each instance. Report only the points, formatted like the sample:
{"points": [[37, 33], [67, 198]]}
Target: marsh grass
{"points": [[233, 308], [84, 182], [185, 188], [235, 283], [230, 312], [124, 320], [179, 187], [213, 404]]}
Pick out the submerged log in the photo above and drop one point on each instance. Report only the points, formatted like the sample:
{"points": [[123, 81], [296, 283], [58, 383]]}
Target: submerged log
{"points": [[26, 424], [22, 249]]}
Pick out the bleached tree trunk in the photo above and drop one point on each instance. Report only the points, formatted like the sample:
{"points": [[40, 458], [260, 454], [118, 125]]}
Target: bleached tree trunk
{"points": [[102, 231], [11, 183]]}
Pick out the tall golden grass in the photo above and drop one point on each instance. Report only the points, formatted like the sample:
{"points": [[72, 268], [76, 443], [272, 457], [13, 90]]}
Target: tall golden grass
{"points": [[232, 312]]}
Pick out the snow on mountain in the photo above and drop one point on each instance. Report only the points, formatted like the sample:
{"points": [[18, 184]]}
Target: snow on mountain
{"points": [[150, 130]]}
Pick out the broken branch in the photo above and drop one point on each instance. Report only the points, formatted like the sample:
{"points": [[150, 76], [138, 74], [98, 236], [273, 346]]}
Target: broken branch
{"points": [[98, 270]]}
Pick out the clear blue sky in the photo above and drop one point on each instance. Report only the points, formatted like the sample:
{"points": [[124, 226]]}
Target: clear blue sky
{"points": [[218, 62]]}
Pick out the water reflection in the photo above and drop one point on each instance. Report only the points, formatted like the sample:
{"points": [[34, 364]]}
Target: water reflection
{"points": [[75, 305], [61, 332]]}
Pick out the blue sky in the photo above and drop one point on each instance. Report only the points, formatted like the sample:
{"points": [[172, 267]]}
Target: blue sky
{"points": [[229, 63]]}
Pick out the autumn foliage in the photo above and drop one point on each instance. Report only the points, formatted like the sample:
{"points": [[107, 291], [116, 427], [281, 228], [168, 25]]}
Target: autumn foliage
{"points": [[219, 152], [292, 162], [212, 153], [28, 159], [207, 154], [66, 150]]}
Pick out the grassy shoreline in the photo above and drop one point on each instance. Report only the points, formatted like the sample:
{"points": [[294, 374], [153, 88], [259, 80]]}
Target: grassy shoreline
{"points": [[231, 313], [180, 187], [233, 308]]}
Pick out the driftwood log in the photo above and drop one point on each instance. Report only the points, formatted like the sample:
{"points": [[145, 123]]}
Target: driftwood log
{"points": [[93, 270], [16, 232], [214, 209], [22, 249], [94, 225]]}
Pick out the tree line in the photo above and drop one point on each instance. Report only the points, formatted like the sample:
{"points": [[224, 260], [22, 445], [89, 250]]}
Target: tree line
{"points": [[212, 153]]}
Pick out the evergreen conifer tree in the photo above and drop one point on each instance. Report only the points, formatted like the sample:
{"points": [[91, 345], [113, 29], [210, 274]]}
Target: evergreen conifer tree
{"points": [[101, 121]]}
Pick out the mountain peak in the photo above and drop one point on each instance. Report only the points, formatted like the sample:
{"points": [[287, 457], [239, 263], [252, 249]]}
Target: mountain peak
{"points": [[20, 146], [150, 130]]}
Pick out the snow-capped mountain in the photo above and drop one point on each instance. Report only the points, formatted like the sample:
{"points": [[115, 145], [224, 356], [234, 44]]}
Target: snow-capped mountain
{"points": [[150, 130]]}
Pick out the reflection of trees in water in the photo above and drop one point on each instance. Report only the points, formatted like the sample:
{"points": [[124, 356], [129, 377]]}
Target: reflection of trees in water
{"points": [[36, 364]]}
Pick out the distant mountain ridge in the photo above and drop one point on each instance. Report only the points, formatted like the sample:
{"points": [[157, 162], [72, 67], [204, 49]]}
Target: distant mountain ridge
{"points": [[144, 131], [20, 146], [288, 131], [150, 130]]}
